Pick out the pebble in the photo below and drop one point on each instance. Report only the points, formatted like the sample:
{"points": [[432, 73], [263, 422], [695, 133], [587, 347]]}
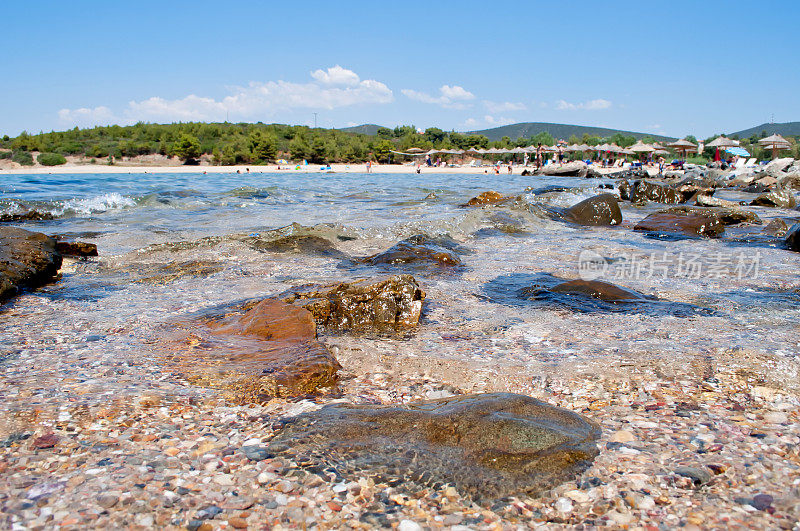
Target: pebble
{"points": [[776, 417], [237, 522], [699, 476], [256, 453], [409, 525], [107, 501], [623, 436], [563, 505]]}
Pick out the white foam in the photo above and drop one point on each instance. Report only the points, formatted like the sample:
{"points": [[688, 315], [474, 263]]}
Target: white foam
{"points": [[100, 203]]}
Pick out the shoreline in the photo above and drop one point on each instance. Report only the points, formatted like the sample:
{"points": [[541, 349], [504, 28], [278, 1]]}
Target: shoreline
{"points": [[310, 169]]}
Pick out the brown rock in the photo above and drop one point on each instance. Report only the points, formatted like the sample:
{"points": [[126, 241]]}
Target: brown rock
{"points": [[486, 198], [601, 209], [306, 244], [45, 441], [683, 220], [487, 446], [793, 237], [419, 251], [777, 227], [268, 350], [30, 215], [576, 168], [237, 522], [647, 191], [597, 290], [393, 302], [27, 260], [777, 198], [76, 248]]}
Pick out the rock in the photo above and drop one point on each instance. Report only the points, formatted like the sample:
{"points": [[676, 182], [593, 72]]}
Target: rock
{"points": [[237, 522], [699, 476], [624, 190], [159, 274], [209, 512], [647, 191], [777, 167], [486, 198], [762, 501], [623, 436], [305, 244], [683, 220], [767, 181], [793, 238], [256, 453], [418, 251], [777, 227], [30, 215], [409, 525], [45, 441], [431, 197], [563, 505], [735, 216], [597, 289], [390, 303], [776, 417], [27, 260], [268, 350], [776, 198], [571, 169], [790, 181], [485, 445], [107, 501], [601, 209], [76, 248], [711, 201]]}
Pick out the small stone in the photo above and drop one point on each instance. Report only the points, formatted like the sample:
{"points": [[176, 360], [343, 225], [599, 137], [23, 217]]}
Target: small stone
{"points": [[256, 453], [776, 417], [762, 501], [209, 512], [333, 506], [577, 496], [563, 505], [45, 441], [284, 486], [699, 476], [172, 451], [237, 522], [107, 501], [223, 479], [266, 477], [453, 519], [409, 525], [623, 436]]}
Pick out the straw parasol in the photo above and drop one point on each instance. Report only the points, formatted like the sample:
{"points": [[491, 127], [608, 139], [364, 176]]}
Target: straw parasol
{"points": [[641, 147], [775, 142], [683, 146], [723, 142], [415, 150]]}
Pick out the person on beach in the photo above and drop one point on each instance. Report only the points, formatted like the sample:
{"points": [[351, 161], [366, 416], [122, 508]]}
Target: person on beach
{"points": [[369, 166], [510, 170], [539, 156]]}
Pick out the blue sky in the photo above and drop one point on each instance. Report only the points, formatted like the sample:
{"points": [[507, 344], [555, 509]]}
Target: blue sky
{"points": [[674, 68]]}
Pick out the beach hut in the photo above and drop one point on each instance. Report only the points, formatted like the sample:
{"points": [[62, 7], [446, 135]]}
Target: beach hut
{"points": [[775, 142]]}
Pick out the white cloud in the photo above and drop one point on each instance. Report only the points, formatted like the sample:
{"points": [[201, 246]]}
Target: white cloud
{"points": [[506, 106], [491, 120], [336, 75], [85, 117], [334, 88], [592, 105], [470, 122], [450, 97]]}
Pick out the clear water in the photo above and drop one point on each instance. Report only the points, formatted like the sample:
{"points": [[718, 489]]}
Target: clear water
{"points": [[91, 334]]}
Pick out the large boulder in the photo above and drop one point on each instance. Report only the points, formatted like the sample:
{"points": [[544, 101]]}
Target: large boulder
{"points": [[597, 289], [778, 167], [27, 260], [420, 251], [487, 446], [791, 181], [793, 238], [265, 351], [389, 304], [683, 220], [81, 249], [571, 169], [601, 209], [777, 198], [642, 191]]}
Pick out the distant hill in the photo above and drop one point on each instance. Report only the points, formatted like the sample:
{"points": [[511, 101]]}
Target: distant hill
{"points": [[558, 131], [363, 129], [784, 129]]}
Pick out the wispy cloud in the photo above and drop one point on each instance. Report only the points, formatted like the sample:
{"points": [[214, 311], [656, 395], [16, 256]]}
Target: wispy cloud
{"points": [[332, 88], [505, 106], [449, 97], [591, 105]]}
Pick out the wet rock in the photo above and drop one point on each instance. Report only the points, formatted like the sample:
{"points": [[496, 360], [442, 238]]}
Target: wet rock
{"points": [[431, 197], [571, 169], [776, 198], [486, 198], [793, 238], [30, 215], [305, 244], [390, 303], [507, 223], [762, 501], [711, 201], [598, 289], [777, 227], [683, 220], [736, 216], [267, 350], [27, 260], [487, 446], [76, 248], [256, 452], [599, 210], [699, 476], [45, 441], [550, 188], [418, 251], [646, 191], [624, 190], [791, 181], [165, 273]]}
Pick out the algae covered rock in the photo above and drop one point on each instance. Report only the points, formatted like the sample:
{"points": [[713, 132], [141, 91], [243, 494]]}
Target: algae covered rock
{"points": [[420, 251], [27, 260], [487, 446], [683, 220], [601, 209]]}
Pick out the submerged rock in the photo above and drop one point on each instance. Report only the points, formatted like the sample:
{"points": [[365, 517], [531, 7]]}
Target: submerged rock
{"points": [[683, 220], [27, 260], [419, 250], [598, 289], [268, 350], [777, 227], [601, 209], [646, 191], [778, 198], [170, 272], [76, 248], [30, 215], [487, 446], [306, 244], [391, 303]]}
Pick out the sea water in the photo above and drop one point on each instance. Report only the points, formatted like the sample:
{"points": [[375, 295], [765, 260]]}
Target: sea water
{"points": [[172, 245]]}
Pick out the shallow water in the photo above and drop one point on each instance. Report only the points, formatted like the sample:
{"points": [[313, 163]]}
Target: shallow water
{"points": [[91, 333]]}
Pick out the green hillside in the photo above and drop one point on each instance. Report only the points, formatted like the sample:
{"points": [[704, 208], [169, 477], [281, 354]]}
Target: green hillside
{"points": [[558, 131], [363, 129], [785, 129]]}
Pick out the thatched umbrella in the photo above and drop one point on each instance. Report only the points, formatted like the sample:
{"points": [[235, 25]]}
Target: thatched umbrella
{"points": [[641, 147], [722, 142], [415, 150], [775, 142], [683, 146]]}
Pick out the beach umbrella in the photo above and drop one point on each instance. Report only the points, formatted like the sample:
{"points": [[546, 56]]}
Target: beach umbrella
{"points": [[723, 142], [683, 146], [641, 147], [415, 150], [738, 151], [775, 142], [661, 152]]}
